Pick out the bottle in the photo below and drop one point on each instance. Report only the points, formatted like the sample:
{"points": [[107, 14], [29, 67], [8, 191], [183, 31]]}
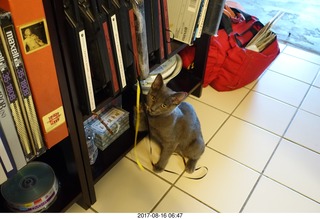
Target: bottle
{"points": [[92, 148]]}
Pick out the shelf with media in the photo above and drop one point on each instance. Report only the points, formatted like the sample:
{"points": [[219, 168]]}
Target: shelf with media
{"points": [[69, 190], [187, 80], [65, 156], [70, 158]]}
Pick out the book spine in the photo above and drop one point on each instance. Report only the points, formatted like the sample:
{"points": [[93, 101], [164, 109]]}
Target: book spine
{"points": [[99, 61], [115, 31], [160, 28], [12, 96], [213, 17], [124, 32], [17, 66], [197, 24], [155, 29], [134, 40], [114, 77], [80, 58], [113, 42], [7, 160], [203, 13], [87, 70], [166, 27], [9, 129], [141, 35]]}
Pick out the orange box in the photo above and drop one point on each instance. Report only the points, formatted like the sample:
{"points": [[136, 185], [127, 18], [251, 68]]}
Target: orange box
{"points": [[30, 23]]}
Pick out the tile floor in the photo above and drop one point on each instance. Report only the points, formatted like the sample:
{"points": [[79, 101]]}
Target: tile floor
{"points": [[262, 154]]}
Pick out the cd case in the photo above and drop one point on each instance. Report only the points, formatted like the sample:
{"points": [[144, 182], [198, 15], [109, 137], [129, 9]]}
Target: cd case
{"points": [[33, 189]]}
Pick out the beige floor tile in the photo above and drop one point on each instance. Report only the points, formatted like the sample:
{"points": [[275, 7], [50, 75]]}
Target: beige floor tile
{"points": [[126, 188], [272, 84], [210, 118], [297, 168], [226, 185], [265, 112], [311, 103], [299, 53], [178, 201], [272, 197], [294, 67], [304, 130], [245, 143], [226, 101], [147, 152], [316, 82]]}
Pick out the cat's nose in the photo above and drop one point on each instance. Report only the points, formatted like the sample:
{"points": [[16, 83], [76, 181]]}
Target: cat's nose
{"points": [[150, 110]]}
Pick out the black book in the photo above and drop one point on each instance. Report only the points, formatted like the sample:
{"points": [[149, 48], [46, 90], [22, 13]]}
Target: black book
{"points": [[79, 57], [152, 26], [97, 49], [113, 42], [213, 17], [165, 28], [124, 31]]}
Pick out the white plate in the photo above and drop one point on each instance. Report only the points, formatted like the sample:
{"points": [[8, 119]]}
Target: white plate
{"points": [[146, 84]]}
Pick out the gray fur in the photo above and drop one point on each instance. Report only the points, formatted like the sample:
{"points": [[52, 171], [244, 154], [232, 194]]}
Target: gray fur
{"points": [[174, 125]]}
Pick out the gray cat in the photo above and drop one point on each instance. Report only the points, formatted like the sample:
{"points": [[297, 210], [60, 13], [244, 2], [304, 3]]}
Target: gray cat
{"points": [[173, 124]]}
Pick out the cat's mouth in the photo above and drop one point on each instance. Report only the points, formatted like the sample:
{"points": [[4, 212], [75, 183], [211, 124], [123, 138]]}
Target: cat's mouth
{"points": [[151, 112]]}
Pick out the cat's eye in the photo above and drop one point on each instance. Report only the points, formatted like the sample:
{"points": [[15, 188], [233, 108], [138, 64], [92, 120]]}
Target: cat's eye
{"points": [[163, 105]]}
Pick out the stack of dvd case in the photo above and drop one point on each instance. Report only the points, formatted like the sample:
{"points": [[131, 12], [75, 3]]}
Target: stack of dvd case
{"points": [[108, 126]]}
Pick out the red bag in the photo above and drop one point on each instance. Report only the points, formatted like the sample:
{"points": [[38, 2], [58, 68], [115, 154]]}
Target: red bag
{"points": [[229, 64]]}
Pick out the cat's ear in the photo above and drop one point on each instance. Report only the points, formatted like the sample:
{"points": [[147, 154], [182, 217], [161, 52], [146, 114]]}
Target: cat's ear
{"points": [[157, 83], [178, 97]]}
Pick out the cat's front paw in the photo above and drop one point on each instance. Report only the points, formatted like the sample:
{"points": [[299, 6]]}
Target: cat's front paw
{"points": [[157, 168], [191, 166], [190, 169]]}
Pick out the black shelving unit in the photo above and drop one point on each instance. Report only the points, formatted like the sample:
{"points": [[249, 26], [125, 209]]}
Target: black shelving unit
{"points": [[69, 158], [66, 157]]}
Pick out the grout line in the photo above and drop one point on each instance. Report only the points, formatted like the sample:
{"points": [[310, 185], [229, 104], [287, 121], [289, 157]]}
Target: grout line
{"points": [[303, 146], [233, 159], [164, 195], [150, 171], [195, 198], [229, 115], [274, 180], [261, 174], [307, 60]]}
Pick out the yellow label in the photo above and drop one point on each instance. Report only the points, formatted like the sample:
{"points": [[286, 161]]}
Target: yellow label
{"points": [[28, 205], [53, 119]]}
